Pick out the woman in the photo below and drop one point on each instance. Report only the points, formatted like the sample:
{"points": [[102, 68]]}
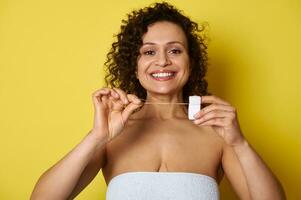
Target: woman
{"points": [[142, 139]]}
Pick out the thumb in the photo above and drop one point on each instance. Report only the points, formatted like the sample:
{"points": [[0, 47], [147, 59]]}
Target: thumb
{"points": [[135, 103]]}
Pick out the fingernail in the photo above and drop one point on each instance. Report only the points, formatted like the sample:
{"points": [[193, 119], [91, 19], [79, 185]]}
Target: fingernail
{"points": [[196, 115]]}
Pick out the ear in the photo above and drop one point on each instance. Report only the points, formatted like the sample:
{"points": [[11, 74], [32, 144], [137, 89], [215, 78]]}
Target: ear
{"points": [[136, 74]]}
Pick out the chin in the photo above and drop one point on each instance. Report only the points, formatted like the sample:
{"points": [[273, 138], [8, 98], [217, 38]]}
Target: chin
{"points": [[162, 90]]}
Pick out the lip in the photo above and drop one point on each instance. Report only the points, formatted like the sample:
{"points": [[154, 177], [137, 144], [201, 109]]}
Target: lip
{"points": [[163, 71], [163, 78]]}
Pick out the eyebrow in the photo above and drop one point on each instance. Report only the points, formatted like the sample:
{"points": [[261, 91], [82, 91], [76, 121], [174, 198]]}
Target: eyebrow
{"points": [[171, 42]]}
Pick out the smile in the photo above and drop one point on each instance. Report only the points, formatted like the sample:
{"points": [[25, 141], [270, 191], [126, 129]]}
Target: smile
{"points": [[163, 76]]}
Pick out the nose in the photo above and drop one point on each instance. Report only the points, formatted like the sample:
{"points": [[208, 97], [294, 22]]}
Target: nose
{"points": [[162, 59]]}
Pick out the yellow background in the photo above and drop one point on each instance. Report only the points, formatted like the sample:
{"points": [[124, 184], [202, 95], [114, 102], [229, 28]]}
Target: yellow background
{"points": [[51, 61]]}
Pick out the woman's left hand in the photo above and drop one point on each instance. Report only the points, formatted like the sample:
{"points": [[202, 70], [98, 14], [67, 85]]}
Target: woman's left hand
{"points": [[223, 119]]}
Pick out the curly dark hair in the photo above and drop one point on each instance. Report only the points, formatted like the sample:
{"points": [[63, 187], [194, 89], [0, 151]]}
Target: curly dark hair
{"points": [[122, 58]]}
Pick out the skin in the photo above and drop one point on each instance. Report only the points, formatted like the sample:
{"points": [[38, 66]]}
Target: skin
{"points": [[160, 138], [164, 47], [212, 144]]}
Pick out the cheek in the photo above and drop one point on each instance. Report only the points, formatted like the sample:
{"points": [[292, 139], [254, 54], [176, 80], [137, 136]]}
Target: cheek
{"points": [[184, 64], [186, 68], [140, 71], [142, 65], [145, 60]]}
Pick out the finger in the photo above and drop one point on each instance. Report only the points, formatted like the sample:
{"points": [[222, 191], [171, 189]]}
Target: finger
{"points": [[114, 94], [105, 100], [129, 110], [99, 93], [213, 107], [211, 115], [135, 103], [213, 99], [122, 95], [214, 122], [133, 98]]}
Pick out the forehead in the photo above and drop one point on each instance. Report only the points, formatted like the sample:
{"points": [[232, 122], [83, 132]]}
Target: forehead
{"points": [[164, 32]]}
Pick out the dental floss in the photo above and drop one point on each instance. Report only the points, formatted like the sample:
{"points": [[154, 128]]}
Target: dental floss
{"points": [[194, 106], [147, 102]]}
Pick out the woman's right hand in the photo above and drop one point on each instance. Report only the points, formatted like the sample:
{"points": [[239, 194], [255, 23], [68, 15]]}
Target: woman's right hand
{"points": [[112, 108]]}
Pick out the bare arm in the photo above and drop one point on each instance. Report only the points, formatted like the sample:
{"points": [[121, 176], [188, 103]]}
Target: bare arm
{"points": [[59, 181], [77, 169], [261, 182], [96, 163], [234, 173], [247, 172]]}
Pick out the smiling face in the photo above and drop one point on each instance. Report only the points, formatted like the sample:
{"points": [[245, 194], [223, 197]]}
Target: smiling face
{"points": [[163, 63]]}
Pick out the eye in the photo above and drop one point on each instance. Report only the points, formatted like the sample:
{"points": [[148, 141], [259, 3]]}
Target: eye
{"points": [[149, 52], [176, 51]]}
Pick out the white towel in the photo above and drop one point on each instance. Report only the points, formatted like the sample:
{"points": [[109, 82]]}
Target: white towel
{"points": [[162, 186]]}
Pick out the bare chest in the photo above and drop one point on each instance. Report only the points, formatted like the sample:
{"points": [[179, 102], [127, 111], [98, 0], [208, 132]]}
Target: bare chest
{"points": [[166, 147]]}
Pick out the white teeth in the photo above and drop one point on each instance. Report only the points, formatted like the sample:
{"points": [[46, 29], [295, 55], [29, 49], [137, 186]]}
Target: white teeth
{"points": [[162, 74]]}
